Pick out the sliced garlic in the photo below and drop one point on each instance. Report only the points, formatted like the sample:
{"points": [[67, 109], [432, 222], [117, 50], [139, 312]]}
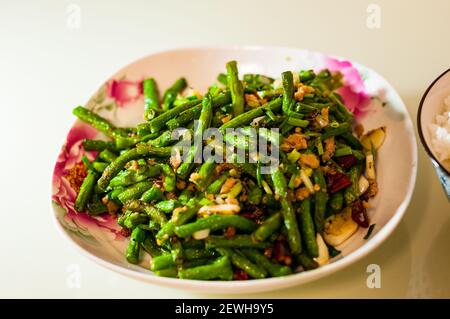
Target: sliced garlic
{"points": [[363, 185], [339, 227], [175, 159], [235, 190], [278, 83], [295, 78], [374, 138], [307, 181], [370, 167], [324, 256], [221, 209], [233, 172], [219, 200], [256, 120], [201, 234], [266, 188]]}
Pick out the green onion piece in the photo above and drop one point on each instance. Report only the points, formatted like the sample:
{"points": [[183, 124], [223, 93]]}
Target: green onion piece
{"points": [[319, 146], [293, 156], [347, 150], [297, 122], [266, 187]]}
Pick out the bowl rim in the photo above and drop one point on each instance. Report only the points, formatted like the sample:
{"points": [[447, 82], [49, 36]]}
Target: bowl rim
{"points": [[419, 124], [275, 283]]}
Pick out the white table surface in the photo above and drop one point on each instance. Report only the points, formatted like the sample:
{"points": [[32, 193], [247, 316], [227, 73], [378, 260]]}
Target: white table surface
{"points": [[48, 68]]}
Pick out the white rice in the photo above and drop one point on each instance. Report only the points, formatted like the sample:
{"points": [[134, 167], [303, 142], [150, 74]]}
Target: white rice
{"points": [[440, 135]]}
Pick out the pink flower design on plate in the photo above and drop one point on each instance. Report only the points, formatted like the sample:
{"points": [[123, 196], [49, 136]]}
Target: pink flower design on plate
{"points": [[353, 92], [124, 91], [63, 193]]}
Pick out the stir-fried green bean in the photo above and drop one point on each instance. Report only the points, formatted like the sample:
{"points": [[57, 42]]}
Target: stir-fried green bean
{"points": [[159, 122], [236, 88], [96, 121], [351, 193], [241, 262], [151, 94], [135, 191], [219, 269], [98, 145], [268, 227], [307, 228], [237, 241], [154, 193], [290, 221], [134, 246], [288, 94], [85, 192], [321, 198], [171, 93], [258, 211], [215, 222], [202, 124], [275, 270], [149, 244]]}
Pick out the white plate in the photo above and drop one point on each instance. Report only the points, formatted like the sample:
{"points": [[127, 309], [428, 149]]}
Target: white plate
{"points": [[120, 100]]}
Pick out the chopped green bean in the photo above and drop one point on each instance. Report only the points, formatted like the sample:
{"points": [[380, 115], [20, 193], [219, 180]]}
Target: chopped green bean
{"points": [[236, 88], [240, 261], [268, 227], [237, 241], [290, 220], [219, 269], [307, 228], [134, 246], [215, 222]]}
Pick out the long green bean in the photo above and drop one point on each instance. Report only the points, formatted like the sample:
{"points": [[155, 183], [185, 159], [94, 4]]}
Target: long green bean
{"points": [[236, 88], [151, 94], [240, 261], [307, 228], [219, 269], [171, 93], [96, 121], [290, 221], [134, 246], [202, 124], [86, 189], [215, 222], [135, 191], [237, 241], [275, 270], [351, 192], [268, 227], [288, 87], [230, 219], [321, 198]]}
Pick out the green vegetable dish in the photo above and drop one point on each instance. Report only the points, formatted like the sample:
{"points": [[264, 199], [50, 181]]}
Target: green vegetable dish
{"points": [[209, 220]]}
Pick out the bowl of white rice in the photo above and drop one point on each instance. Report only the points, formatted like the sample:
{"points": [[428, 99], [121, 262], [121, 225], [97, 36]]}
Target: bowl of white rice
{"points": [[433, 122]]}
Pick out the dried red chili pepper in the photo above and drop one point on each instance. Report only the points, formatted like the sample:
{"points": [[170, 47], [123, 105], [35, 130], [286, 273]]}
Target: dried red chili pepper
{"points": [[229, 232], [239, 274], [337, 181], [125, 232], [249, 215], [281, 252], [253, 212], [346, 161], [359, 214], [268, 252]]}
